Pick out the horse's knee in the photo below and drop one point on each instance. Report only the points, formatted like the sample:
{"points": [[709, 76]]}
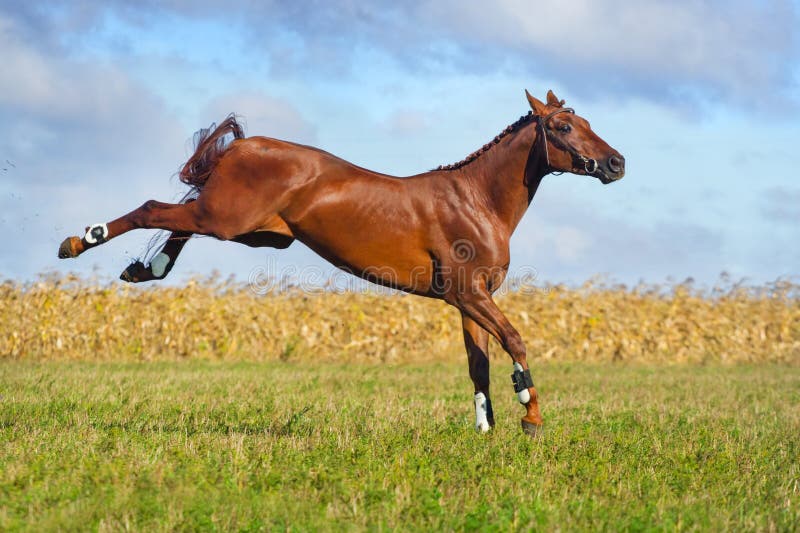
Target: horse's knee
{"points": [[149, 205], [141, 217]]}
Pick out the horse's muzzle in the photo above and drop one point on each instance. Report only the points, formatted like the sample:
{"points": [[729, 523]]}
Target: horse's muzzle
{"points": [[613, 170], [616, 164]]}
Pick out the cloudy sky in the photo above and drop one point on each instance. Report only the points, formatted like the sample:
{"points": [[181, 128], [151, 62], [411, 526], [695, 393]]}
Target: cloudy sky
{"points": [[99, 100]]}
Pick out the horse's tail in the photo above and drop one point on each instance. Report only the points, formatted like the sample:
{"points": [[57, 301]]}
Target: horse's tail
{"points": [[209, 146]]}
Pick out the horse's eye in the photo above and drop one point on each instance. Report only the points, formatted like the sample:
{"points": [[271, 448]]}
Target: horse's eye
{"points": [[566, 128]]}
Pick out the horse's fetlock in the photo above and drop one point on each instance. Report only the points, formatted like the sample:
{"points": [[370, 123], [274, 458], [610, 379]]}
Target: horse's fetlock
{"points": [[484, 418], [96, 234], [523, 382], [159, 264]]}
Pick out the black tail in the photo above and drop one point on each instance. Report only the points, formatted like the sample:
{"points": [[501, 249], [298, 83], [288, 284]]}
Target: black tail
{"points": [[210, 144]]}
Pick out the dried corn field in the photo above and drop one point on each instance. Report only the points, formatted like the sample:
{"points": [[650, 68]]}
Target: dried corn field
{"points": [[72, 319]]}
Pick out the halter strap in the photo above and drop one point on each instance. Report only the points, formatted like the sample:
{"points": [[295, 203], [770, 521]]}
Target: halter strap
{"points": [[589, 165]]}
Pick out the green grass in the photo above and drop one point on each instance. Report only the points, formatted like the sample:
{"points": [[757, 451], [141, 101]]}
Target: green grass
{"points": [[246, 446]]}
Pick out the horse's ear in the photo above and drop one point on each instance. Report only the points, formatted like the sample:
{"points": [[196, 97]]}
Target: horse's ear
{"points": [[552, 100], [537, 106]]}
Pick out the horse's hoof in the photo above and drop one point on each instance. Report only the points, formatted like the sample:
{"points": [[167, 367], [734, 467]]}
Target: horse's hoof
{"points": [[531, 429], [483, 428], [71, 247], [134, 273]]}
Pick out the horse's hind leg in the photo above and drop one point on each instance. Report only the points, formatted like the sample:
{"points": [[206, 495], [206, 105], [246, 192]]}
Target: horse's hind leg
{"points": [[476, 340], [178, 218], [161, 264], [164, 260]]}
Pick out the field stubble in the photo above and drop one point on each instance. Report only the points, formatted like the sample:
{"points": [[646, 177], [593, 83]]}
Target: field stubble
{"points": [[68, 318]]}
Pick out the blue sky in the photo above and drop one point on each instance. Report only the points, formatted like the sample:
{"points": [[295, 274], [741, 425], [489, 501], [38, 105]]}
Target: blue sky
{"points": [[98, 102]]}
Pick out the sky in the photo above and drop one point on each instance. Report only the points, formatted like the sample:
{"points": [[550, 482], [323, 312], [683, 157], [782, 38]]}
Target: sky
{"points": [[99, 101]]}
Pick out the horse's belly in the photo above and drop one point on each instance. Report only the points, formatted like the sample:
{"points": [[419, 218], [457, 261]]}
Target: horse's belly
{"points": [[365, 226], [393, 262]]}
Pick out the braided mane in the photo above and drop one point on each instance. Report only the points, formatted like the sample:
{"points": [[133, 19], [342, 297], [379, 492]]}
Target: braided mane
{"points": [[524, 119]]}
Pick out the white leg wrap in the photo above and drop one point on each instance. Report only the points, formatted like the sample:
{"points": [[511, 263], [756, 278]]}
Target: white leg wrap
{"points": [[159, 264], [91, 239], [481, 418], [524, 396]]}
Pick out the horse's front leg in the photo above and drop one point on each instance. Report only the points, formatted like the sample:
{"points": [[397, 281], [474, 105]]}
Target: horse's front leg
{"points": [[478, 305], [476, 341], [182, 218]]}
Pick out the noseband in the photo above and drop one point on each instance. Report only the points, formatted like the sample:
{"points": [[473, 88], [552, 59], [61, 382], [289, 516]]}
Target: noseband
{"points": [[589, 165]]}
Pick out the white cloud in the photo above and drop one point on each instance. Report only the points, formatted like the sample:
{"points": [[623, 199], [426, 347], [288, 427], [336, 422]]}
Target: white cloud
{"points": [[732, 49], [566, 240], [570, 243], [264, 115], [91, 140], [61, 117], [406, 122], [781, 205], [88, 144], [735, 51], [738, 52]]}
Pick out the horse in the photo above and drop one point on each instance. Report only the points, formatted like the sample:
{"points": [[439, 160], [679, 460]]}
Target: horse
{"points": [[441, 234]]}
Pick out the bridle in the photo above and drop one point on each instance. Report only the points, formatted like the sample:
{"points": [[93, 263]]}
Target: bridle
{"points": [[589, 165]]}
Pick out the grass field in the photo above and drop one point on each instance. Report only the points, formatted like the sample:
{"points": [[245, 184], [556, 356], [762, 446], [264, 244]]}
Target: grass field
{"points": [[252, 446]]}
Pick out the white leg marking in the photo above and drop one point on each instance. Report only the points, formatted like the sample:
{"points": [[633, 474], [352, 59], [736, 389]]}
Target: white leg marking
{"points": [[159, 264], [481, 420], [524, 396], [90, 238]]}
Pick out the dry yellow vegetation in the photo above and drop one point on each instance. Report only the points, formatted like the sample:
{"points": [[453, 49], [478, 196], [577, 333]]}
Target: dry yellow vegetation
{"points": [[71, 318]]}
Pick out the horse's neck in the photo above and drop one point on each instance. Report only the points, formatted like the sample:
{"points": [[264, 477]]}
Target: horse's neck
{"points": [[507, 176]]}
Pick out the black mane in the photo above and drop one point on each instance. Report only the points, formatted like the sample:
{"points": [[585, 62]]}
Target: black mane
{"points": [[524, 119]]}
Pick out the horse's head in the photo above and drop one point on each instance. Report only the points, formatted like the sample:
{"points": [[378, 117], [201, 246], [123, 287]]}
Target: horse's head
{"points": [[570, 145]]}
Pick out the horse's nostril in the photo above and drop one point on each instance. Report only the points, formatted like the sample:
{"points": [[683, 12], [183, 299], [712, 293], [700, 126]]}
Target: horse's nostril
{"points": [[616, 164]]}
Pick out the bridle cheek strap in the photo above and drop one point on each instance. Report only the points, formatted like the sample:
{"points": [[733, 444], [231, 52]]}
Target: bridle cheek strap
{"points": [[589, 165]]}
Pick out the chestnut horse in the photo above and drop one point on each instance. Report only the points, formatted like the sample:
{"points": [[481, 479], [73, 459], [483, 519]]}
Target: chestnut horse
{"points": [[442, 234]]}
